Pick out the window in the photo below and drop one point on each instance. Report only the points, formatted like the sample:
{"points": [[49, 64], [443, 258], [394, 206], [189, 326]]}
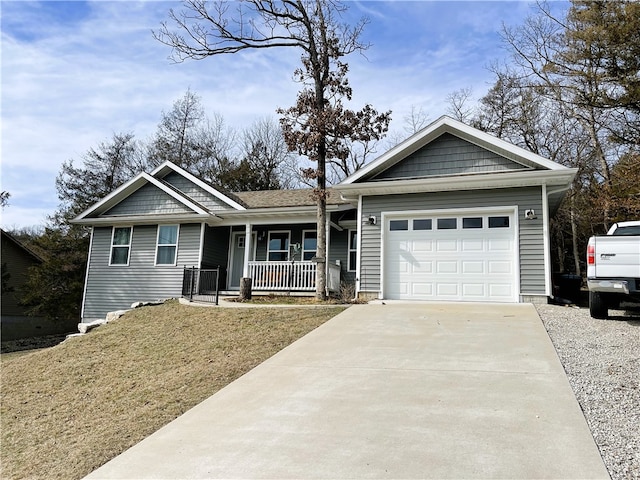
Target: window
{"points": [[498, 222], [167, 245], [447, 224], [396, 225], [309, 244], [422, 224], [278, 246], [472, 222], [353, 250], [120, 245]]}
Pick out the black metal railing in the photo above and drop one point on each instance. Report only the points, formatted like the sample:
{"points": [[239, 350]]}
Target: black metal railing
{"points": [[201, 285]]}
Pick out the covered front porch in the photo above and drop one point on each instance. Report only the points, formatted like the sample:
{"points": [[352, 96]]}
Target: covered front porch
{"points": [[279, 257]]}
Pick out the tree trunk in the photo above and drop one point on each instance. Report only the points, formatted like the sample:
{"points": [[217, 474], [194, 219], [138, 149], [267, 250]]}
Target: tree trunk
{"points": [[322, 251], [245, 288]]}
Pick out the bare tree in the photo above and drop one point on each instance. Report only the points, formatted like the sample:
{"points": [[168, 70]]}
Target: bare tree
{"points": [[318, 124], [459, 107], [263, 145], [415, 120]]}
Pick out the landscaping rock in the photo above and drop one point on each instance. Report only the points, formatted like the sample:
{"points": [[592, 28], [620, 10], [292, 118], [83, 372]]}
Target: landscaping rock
{"points": [[111, 316], [85, 327], [148, 303]]}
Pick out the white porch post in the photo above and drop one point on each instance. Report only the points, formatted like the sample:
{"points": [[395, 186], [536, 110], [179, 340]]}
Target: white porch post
{"points": [[247, 249]]}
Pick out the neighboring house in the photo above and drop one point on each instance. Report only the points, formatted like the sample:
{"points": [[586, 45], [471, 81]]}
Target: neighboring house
{"points": [[450, 214], [16, 260]]}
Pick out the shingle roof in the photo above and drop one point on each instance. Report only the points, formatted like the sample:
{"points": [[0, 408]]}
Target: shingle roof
{"points": [[285, 198]]}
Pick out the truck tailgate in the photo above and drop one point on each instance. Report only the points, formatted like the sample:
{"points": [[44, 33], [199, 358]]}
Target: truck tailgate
{"points": [[617, 257]]}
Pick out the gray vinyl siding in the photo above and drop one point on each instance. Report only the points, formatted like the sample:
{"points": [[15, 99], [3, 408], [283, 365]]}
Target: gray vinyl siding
{"points": [[195, 192], [216, 247], [148, 200], [531, 242], [448, 155], [112, 288], [339, 250]]}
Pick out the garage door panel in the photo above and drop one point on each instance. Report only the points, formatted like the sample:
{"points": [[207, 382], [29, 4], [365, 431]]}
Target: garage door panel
{"points": [[504, 291], [504, 267], [475, 245], [422, 246], [422, 268], [422, 289], [447, 289], [446, 267], [475, 264], [474, 290], [470, 267], [499, 245], [447, 245]]}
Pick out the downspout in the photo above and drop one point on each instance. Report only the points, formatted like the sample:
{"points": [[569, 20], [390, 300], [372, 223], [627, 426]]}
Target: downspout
{"points": [[201, 253], [358, 245]]}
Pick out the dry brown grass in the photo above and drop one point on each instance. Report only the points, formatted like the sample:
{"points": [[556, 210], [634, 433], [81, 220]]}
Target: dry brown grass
{"points": [[68, 409]]}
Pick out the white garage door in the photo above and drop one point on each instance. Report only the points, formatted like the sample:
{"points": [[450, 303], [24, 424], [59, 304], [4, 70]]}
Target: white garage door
{"points": [[462, 257]]}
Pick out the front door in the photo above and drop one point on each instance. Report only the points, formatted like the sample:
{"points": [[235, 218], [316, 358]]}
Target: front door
{"points": [[237, 258]]}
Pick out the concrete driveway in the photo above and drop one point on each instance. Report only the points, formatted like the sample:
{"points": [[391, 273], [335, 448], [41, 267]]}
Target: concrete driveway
{"points": [[388, 391]]}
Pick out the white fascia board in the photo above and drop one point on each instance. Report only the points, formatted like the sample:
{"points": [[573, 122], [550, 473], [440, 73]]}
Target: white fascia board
{"points": [[148, 219], [115, 197], [526, 178], [128, 189], [192, 178], [447, 124]]}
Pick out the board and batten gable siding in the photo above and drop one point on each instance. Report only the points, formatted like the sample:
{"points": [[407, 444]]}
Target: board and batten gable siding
{"points": [[148, 200], [111, 288], [195, 192], [530, 234], [448, 155]]}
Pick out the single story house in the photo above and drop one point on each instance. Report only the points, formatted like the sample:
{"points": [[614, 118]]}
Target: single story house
{"points": [[450, 214]]}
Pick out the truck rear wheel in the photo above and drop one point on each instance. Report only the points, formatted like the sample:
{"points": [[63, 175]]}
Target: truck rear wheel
{"points": [[597, 306]]}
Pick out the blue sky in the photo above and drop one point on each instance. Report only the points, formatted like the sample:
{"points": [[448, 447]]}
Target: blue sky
{"points": [[73, 73]]}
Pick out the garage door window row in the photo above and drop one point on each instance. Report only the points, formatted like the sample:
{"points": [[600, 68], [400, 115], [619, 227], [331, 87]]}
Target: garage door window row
{"points": [[449, 223]]}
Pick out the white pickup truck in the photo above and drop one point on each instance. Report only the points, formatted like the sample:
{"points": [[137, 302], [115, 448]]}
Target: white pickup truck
{"points": [[613, 268]]}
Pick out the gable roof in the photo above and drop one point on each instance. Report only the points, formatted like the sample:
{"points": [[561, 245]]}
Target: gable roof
{"points": [[535, 170], [21, 246], [155, 179], [192, 202], [451, 126], [167, 167]]}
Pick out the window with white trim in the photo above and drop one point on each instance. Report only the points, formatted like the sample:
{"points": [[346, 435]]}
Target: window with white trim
{"points": [[309, 244], [120, 245], [278, 246], [353, 250], [167, 245]]}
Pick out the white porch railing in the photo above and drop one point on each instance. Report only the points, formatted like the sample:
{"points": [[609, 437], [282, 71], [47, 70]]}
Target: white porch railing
{"points": [[293, 276]]}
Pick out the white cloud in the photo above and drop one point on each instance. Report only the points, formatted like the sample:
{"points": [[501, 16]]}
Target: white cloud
{"points": [[71, 78]]}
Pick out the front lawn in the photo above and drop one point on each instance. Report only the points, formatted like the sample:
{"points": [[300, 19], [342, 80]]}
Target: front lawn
{"points": [[68, 409]]}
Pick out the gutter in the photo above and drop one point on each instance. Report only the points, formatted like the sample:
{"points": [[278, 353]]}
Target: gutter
{"points": [[350, 192]]}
